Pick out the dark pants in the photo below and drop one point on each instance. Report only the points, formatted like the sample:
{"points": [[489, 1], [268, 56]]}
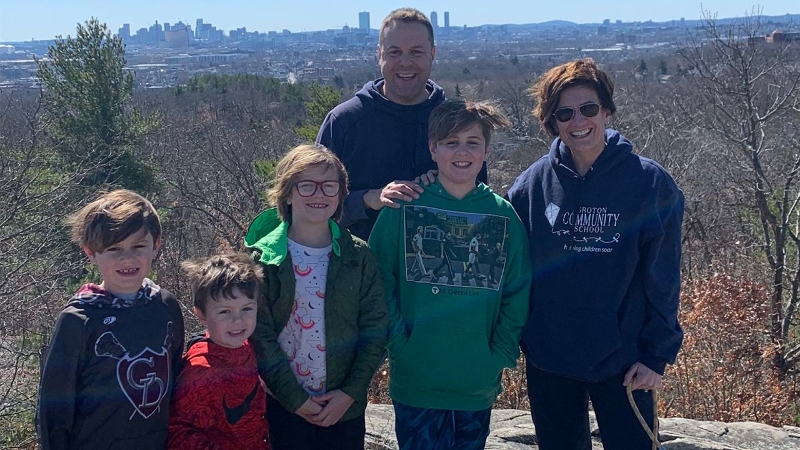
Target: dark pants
{"points": [[440, 429], [560, 410], [288, 431], [445, 264]]}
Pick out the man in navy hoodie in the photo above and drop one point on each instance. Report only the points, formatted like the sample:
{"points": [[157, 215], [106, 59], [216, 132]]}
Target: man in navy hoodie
{"points": [[381, 134]]}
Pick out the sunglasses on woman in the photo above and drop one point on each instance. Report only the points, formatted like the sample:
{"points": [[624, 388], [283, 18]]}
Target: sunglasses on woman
{"points": [[307, 188], [565, 113]]}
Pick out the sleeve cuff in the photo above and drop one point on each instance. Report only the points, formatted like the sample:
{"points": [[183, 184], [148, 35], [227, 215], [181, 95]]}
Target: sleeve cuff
{"points": [[354, 209], [654, 363]]}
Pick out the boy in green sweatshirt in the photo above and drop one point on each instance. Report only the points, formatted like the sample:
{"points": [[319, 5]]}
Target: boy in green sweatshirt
{"points": [[450, 336]]}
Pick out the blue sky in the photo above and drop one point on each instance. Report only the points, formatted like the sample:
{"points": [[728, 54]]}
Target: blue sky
{"points": [[43, 19]]}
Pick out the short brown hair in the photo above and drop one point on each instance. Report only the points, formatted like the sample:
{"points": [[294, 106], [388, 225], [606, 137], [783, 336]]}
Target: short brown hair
{"points": [[111, 218], [406, 15], [456, 115], [216, 277], [298, 159], [580, 72]]}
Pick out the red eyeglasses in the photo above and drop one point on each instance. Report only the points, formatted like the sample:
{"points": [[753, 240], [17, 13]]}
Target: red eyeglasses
{"points": [[307, 188]]}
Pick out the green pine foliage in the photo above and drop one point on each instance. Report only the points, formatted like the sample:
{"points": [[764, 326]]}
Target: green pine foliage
{"points": [[321, 99], [90, 118]]}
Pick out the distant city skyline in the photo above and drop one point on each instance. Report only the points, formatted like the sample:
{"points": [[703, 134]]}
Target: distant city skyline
{"points": [[23, 20]]}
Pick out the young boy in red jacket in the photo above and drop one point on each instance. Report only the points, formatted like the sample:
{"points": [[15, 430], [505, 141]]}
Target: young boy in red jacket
{"points": [[219, 402]]}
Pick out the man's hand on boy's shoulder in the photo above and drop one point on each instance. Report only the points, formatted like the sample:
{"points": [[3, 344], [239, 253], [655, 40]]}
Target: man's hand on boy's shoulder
{"points": [[427, 178], [396, 190], [335, 404]]}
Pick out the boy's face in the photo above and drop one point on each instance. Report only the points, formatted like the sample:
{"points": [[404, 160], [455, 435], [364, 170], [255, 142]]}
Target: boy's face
{"points": [[460, 158], [229, 320], [125, 264], [317, 208]]}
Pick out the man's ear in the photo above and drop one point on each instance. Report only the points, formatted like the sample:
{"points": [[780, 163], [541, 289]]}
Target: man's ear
{"points": [[157, 244], [433, 53], [432, 148], [89, 253]]}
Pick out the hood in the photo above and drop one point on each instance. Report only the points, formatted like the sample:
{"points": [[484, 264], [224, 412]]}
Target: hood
{"points": [[616, 150], [370, 94], [268, 234], [93, 295], [217, 355], [480, 192]]}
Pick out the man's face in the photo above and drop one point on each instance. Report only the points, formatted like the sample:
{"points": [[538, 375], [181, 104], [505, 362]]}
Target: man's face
{"points": [[406, 56]]}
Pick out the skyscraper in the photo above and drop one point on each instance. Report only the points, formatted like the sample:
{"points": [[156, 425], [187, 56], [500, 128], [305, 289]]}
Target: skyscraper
{"points": [[447, 20], [125, 31], [198, 29], [155, 33], [363, 21], [434, 19]]}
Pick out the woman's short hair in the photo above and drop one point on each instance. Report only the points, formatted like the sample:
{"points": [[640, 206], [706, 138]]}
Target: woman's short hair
{"points": [[581, 72]]}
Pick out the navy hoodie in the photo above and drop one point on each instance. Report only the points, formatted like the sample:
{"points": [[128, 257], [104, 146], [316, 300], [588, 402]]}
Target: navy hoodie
{"points": [[605, 251], [379, 141]]}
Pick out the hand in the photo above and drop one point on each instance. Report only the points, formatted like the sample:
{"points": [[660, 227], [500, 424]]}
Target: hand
{"points": [[309, 410], [640, 376], [427, 178], [335, 405], [400, 190]]}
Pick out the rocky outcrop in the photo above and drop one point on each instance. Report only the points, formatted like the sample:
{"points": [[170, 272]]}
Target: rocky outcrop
{"points": [[513, 430]]}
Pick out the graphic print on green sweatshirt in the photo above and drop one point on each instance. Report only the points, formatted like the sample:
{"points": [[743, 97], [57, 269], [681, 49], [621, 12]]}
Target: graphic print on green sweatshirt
{"points": [[454, 248]]}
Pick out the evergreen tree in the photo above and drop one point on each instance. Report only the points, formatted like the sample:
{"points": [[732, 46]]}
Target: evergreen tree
{"points": [[87, 98], [321, 99], [662, 67]]}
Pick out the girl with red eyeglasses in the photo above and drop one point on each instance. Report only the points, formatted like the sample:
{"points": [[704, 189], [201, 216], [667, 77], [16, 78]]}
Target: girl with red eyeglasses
{"points": [[322, 322]]}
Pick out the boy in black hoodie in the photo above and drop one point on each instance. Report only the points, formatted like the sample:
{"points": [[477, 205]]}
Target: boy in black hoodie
{"points": [[108, 374]]}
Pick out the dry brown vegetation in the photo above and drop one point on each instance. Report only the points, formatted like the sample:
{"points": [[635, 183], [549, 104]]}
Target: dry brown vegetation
{"points": [[724, 371]]}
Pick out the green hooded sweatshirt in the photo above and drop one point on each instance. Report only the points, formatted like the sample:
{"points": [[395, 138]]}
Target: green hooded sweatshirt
{"points": [[453, 326], [355, 314]]}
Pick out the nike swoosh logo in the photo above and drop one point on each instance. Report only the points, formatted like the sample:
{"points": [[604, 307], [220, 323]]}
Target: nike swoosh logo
{"points": [[233, 415]]}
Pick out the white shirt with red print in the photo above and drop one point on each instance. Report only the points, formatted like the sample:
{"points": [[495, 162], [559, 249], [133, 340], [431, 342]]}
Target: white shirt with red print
{"points": [[303, 337]]}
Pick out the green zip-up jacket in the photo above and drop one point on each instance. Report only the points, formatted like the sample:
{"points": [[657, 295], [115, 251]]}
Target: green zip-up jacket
{"points": [[452, 327], [355, 314]]}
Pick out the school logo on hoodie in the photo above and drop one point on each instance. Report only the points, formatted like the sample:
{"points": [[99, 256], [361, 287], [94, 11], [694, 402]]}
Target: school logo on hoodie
{"points": [[590, 228], [144, 378]]}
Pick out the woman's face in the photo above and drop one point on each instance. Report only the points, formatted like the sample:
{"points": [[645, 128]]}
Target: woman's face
{"points": [[585, 136]]}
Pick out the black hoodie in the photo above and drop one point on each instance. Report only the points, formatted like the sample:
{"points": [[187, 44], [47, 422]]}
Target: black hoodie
{"points": [[379, 141], [605, 250], [108, 374]]}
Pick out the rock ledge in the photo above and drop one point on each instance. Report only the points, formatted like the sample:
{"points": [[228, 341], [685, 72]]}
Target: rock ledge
{"points": [[513, 430]]}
